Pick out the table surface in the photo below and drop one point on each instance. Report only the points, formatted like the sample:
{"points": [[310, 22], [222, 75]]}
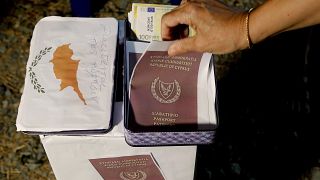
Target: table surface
{"points": [[69, 155]]}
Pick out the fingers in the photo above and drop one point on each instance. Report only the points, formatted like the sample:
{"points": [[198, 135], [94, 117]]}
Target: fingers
{"points": [[184, 1], [182, 46], [184, 14], [171, 20]]}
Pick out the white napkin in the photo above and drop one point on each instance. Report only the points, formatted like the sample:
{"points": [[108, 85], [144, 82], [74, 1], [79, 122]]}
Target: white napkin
{"points": [[93, 42]]}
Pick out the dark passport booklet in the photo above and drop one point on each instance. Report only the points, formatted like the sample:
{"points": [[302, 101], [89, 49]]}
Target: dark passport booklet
{"points": [[137, 167]]}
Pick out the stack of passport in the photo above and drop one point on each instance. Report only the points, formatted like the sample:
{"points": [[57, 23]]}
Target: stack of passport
{"points": [[168, 100]]}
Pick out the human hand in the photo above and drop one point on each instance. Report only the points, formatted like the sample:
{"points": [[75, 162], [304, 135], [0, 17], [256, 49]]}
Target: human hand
{"points": [[219, 29]]}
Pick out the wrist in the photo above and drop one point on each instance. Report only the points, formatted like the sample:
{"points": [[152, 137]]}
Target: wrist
{"points": [[242, 41], [245, 40], [247, 26]]}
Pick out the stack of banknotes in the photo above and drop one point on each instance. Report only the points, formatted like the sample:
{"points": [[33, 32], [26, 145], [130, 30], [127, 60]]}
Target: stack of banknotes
{"points": [[145, 20]]}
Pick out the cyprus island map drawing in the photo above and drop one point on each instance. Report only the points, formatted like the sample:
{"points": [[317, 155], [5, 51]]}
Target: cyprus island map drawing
{"points": [[66, 69]]}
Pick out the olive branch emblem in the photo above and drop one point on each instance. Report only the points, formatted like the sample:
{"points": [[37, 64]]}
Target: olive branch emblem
{"points": [[164, 91], [32, 74]]}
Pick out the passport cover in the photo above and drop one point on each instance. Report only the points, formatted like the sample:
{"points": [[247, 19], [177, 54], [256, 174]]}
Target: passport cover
{"points": [[137, 167]]}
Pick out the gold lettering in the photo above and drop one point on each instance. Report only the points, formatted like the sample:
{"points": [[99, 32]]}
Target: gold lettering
{"points": [[183, 58], [180, 63], [181, 68], [165, 114]]}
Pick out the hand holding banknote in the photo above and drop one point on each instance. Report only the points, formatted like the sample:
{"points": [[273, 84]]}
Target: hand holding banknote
{"points": [[214, 24], [221, 29]]}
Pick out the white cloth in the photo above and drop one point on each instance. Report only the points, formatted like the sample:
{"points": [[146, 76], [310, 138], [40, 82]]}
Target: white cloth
{"points": [[69, 155], [93, 42]]}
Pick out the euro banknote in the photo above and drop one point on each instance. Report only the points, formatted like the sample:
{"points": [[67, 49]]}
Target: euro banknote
{"points": [[145, 20]]}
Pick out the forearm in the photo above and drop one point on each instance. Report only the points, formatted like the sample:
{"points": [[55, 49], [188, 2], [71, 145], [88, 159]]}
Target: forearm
{"points": [[221, 29], [276, 16]]}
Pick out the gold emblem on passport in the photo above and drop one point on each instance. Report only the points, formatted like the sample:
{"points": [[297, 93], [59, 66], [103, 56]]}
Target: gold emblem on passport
{"points": [[165, 92], [135, 175]]}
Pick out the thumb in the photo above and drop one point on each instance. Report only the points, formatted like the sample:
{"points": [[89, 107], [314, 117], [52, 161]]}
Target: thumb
{"points": [[182, 46]]}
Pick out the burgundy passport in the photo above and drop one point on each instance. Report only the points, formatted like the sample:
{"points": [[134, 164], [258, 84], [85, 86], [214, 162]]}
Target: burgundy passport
{"points": [[164, 89], [137, 167]]}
